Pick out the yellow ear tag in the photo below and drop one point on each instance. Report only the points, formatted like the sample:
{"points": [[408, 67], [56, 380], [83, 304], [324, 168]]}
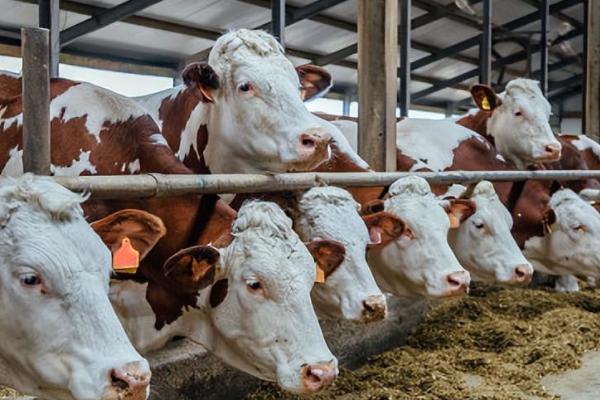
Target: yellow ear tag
{"points": [[454, 221], [126, 259], [320, 278], [485, 104]]}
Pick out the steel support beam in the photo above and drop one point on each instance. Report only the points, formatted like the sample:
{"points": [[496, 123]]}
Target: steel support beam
{"points": [[36, 100], [109, 16], [49, 18], [440, 11], [485, 47], [377, 82], [278, 20], [592, 79], [405, 40], [544, 11], [474, 41]]}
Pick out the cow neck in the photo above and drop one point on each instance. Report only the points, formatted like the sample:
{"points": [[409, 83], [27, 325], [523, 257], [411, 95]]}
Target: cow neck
{"points": [[183, 122], [478, 122], [342, 162]]}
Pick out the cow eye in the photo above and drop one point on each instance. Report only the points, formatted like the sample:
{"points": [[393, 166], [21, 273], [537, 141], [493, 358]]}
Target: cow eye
{"points": [[30, 280], [518, 113], [579, 228], [245, 87], [254, 286], [479, 226]]}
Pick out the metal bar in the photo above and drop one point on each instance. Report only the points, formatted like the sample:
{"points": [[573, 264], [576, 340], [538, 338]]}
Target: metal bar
{"points": [[592, 98], [513, 58], [109, 16], [278, 20], [446, 12], [405, 31], [159, 185], [312, 10], [49, 18], [36, 100], [434, 16], [377, 82], [485, 74], [544, 11], [474, 41], [584, 96]]}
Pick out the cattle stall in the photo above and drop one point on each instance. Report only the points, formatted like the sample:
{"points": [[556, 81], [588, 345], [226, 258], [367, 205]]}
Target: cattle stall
{"points": [[384, 41]]}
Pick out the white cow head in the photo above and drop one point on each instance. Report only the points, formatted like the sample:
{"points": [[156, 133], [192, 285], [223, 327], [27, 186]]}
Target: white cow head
{"points": [[62, 339], [257, 121], [255, 308], [519, 122], [418, 260], [484, 244], [350, 291], [571, 239]]}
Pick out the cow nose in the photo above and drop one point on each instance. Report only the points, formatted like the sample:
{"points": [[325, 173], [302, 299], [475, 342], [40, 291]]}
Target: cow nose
{"points": [[374, 308], [317, 377], [458, 283], [132, 380], [313, 147], [523, 274], [552, 151]]}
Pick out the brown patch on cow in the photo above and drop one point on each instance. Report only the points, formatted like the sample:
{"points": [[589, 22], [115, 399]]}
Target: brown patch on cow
{"points": [[328, 254], [459, 210], [478, 123], [218, 292], [174, 114], [386, 227], [143, 229], [217, 230], [166, 306]]}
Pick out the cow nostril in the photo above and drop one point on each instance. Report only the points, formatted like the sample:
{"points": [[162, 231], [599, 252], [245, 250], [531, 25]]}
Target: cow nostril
{"points": [[117, 381], [552, 149], [454, 282], [368, 306], [520, 273], [308, 142], [314, 375]]}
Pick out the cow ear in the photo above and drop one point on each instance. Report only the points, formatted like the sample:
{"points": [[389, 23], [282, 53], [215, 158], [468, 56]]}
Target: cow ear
{"points": [[315, 81], [548, 219], [458, 210], [143, 229], [193, 268], [201, 78], [372, 207], [328, 255], [384, 228], [596, 206], [485, 97]]}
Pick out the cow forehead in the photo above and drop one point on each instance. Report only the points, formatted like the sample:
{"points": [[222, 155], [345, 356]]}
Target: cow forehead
{"points": [[527, 91], [252, 51], [571, 209]]}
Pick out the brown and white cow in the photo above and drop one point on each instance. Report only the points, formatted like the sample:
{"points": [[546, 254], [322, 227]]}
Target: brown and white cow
{"points": [[242, 112], [55, 317], [248, 301]]}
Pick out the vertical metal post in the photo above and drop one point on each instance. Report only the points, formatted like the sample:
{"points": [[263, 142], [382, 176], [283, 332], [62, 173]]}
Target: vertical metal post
{"points": [[592, 93], [377, 82], [348, 94], [36, 100], [485, 49], [544, 12], [49, 18], [278, 20], [405, 29]]}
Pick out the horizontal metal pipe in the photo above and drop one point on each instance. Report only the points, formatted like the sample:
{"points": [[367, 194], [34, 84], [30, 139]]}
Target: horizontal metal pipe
{"points": [[158, 185]]}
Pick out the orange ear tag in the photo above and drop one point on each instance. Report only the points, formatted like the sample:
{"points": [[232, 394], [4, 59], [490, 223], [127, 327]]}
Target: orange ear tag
{"points": [[320, 278], [485, 104], [126, 259]]}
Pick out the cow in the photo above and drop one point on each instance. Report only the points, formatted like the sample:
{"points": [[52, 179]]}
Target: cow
{"points": [[483, 243], [248, 302], [349, 292], [95, 131], [62, 337], [242, 112], [411, 255]]}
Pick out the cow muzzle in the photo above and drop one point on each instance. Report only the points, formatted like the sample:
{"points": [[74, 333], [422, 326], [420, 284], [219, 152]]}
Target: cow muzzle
{"points": [[316, 377], [129, 382], [551, 153], [522, 274], [313, 149], [457, 283], [374, 309]]}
